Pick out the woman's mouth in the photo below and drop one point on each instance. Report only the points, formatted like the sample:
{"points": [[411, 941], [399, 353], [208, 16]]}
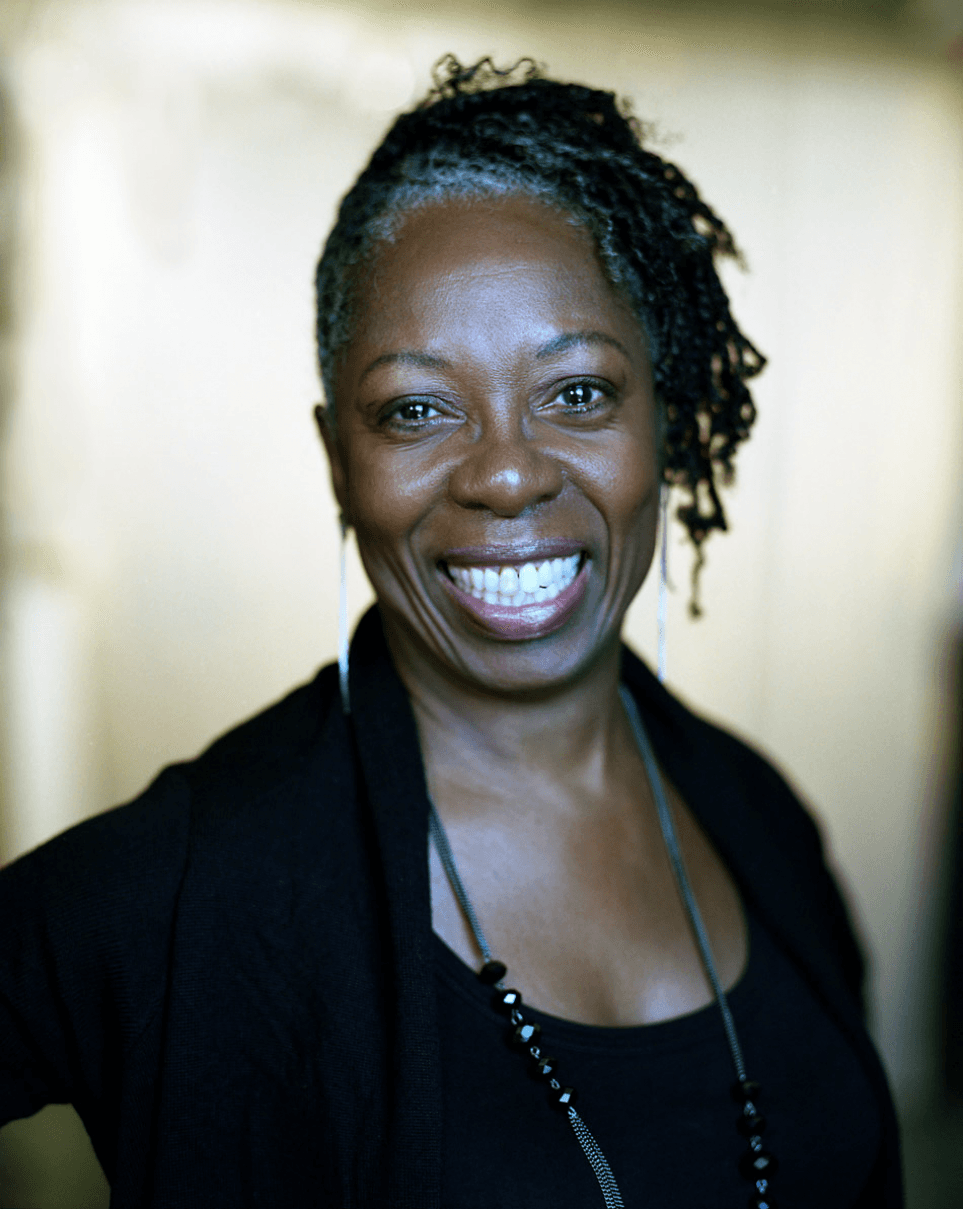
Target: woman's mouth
{"points": [[519, 601], [505, 584]]}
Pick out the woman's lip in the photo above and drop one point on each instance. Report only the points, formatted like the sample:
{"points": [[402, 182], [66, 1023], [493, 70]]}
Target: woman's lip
{"points": [[524, 622], [505, 554]]}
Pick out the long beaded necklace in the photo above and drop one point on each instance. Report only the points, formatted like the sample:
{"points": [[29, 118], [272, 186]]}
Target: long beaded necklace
{"points": [[757, 1165]]}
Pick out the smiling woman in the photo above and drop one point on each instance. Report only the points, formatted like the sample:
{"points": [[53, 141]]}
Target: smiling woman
{"points": [[496, 412], [291, 983]]}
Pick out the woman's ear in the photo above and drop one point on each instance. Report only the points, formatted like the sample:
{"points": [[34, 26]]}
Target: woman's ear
{"points": [[323, 419]]}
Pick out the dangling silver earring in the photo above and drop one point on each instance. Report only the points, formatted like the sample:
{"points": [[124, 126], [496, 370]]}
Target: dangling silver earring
{"points": [[663, 578], [343, 621]]}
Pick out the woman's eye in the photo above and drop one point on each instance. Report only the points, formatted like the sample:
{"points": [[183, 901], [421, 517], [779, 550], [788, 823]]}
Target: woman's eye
{"points": [[581, 396], [415, 411]]}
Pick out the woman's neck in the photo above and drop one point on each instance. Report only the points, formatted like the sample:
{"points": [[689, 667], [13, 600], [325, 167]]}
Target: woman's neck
{"points": [[556, 745]]}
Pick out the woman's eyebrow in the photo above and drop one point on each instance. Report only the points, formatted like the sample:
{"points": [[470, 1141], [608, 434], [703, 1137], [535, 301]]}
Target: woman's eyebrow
{"points": [[572, 339], [407, 357], [557, 345]]}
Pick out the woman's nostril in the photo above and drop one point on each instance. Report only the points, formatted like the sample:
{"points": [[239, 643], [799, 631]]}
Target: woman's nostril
{"points": [[507, 480]]}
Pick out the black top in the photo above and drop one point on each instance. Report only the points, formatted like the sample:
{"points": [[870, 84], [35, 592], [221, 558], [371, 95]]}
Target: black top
{"points": [[657, 1099], [230, 977]]}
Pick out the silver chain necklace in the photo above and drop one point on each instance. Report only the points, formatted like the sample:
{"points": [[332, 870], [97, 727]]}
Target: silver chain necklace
{"points": [[758, 1165]]}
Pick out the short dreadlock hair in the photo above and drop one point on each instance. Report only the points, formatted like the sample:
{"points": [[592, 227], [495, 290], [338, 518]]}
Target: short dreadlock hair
{"points": [[484, 132]]}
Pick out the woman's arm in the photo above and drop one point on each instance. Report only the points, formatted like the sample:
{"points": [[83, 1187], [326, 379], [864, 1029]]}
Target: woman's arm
{"points": [[85, 923]]}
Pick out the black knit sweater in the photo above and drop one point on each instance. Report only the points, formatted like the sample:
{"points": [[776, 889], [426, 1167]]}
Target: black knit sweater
{"points": [[231, 977]]}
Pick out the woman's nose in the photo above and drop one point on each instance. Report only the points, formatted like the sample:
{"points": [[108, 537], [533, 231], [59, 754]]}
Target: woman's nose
{"points": [[505, 472]]}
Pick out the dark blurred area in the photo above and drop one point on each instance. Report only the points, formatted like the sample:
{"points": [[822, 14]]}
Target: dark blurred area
{"points": [[952, 1005], [933, 1141]]}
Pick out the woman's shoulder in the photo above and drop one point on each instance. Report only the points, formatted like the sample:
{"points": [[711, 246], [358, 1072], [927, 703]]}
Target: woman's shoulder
{"points": [[88, 870], [83, 939], [88, 915], [270, 746], [256, 757], [706, 753], [124, 865]]}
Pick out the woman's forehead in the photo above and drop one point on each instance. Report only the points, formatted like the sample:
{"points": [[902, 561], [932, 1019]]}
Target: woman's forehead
{"points": [[489, 262], [460, 230]]}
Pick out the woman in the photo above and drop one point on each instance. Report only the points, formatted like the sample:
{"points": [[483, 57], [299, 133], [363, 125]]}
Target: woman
{"points": [[257, 982]]}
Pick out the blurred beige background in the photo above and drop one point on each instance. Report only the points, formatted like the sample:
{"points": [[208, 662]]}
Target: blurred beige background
{"points": [[169, 540]]}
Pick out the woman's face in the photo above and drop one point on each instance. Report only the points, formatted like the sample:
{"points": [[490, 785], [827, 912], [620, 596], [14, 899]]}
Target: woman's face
{"points": [[496, 449]]}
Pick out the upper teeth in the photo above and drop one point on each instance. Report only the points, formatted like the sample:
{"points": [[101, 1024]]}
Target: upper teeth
{"points": [[508, 585]]}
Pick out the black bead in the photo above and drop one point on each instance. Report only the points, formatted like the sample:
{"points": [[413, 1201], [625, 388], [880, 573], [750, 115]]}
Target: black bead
{"points": [[547, 1068], [565, 1097], [745, 1089], [749, 1124], [508, 999], [756, 1163], [526, 1033], [492, 972]]}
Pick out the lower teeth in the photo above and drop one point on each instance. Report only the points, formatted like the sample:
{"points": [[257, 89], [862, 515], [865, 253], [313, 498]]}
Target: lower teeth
{"points": [[520, 599]]}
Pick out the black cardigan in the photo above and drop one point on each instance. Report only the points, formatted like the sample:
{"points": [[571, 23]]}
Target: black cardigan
{"points": [[231, 977]]}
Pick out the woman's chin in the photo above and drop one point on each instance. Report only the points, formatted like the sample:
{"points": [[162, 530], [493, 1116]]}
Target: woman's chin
{"points": [[531, 649], [507, 650]]}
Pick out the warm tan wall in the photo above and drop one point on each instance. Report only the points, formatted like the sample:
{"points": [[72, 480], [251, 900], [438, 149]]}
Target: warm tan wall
{"points": [[171, 541]]}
